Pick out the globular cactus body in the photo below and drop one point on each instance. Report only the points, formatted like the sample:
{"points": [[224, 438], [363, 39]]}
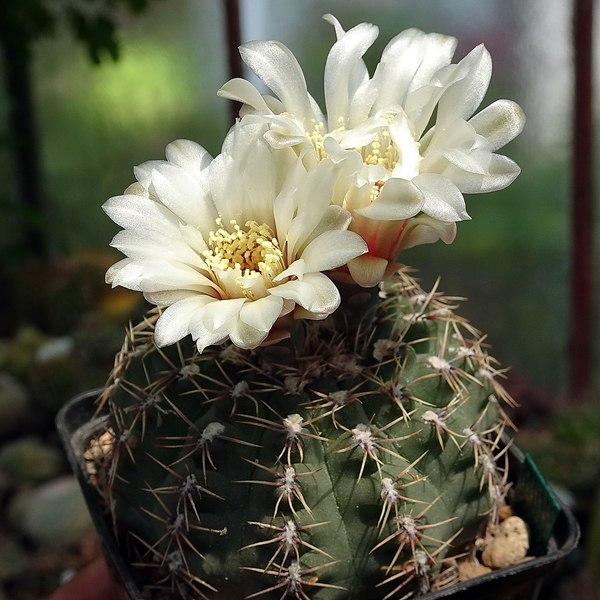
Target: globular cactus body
{"points": [[346, 464]]}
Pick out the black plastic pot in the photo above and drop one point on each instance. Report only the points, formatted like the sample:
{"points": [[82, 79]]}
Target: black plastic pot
{"points": [[554, 531]]}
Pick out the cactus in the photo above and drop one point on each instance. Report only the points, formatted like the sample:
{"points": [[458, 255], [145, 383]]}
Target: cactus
{"points": [[345, 463], [297, 417]]}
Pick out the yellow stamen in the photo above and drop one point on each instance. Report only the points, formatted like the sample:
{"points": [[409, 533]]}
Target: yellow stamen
{"points": [[382, 150], [317, 138], [254, 251]]}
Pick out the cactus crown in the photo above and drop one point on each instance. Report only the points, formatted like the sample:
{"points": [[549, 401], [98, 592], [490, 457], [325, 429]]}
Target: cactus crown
{"points": [[339, 465]]}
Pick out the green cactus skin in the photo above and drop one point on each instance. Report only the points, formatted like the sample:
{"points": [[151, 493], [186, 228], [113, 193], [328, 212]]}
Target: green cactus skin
{"points": [[343, 464]]}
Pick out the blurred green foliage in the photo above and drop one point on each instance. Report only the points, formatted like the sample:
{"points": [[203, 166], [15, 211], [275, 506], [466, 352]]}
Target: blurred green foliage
{"points": [[95, 124], [22, 24], [568, 452], [110, 120], [94, 23]]}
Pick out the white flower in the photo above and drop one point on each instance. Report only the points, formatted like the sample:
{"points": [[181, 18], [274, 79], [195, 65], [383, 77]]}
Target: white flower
{"points": [[233, 247], [411, 123]]}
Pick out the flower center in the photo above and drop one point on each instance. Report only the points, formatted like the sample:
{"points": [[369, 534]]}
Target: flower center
{"points": [[376, 190], [317, 138], [254, 251], [382, 150]]}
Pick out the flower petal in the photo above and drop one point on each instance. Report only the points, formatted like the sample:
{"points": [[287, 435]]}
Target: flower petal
{"points": [[205, 337], [297, 269], [463, 97], [136, 211], [278, 68], [262, 313], [278, 139], [466, 161], [327, 297], [499, 123], [367, 270], [164, 275], [316, 293], [345, 70], [188, 155], [437, 51], [218, 314], [245, 336], [183, 195], [409, 61], [301, 292], [173, 324], [409, 160], [443, 200], [240, 90], [168, 297], [312, 197], [361, 135], [501, 172], [144, 245], [335, 219], [333, 249], [126, 273], [426, 230], [398, 199]]}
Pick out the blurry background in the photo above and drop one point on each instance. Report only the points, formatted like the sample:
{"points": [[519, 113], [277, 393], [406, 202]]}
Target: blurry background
{"points": [[59, 323]]}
